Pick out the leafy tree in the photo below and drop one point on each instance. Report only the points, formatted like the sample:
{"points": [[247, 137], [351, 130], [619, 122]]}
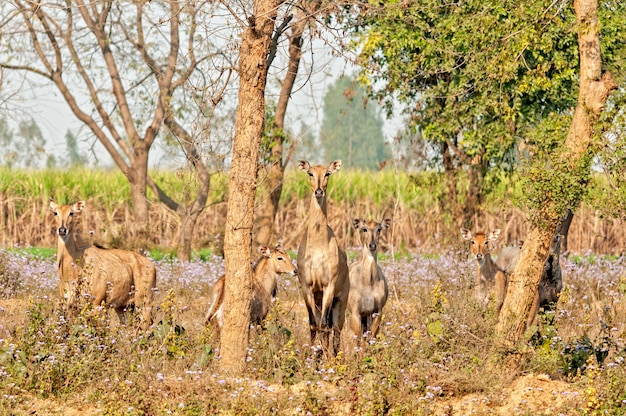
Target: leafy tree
{"points": [[561, 183], [474, 78], [352, 128]]}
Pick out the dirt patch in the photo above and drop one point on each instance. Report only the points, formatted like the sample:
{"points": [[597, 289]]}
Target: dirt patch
{"points": [[528, 395], [531, 394]]}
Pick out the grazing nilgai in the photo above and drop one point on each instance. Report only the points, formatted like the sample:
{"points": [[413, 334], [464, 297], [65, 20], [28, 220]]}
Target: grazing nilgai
{"points": [[488, 274], [368, 286], [322, 264], [119, 278], [266, 270]]}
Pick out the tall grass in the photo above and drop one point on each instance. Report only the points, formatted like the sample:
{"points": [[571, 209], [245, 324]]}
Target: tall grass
{"points": [[412, 200]]}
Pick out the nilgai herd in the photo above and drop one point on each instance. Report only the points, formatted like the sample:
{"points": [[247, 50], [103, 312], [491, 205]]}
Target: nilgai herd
{"points": [[123, 280]]}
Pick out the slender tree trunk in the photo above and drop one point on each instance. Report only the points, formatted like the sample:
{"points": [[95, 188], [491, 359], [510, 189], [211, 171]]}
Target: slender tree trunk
{"points": [[137, 175], [475, 190], [594, 91], [268, 208], [255, 47]]}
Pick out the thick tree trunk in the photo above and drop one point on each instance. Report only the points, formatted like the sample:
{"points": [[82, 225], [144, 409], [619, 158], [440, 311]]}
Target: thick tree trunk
{"points": [[255, 46], [594, 91], [187, 225]]}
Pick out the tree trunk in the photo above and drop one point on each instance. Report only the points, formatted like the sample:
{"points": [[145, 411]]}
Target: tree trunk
{"points": [[187, 225], [138, 174], [563, 229], [594, 91], [255, 46], [475, 190], [268, 208], [450, 174]]}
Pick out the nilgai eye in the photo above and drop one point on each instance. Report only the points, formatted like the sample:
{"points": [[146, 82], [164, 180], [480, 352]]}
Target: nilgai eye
{"points": [[71, 213], [327, 174], [280, 259], [56, 213]]}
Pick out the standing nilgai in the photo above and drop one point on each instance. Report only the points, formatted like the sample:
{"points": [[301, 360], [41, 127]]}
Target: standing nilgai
{"points": [[488, 274], [271, 264], [322, 264], [368, 286], [119, 278]]}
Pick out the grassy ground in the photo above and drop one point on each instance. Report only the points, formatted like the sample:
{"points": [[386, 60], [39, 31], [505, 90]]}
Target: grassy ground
{"points": [[434, 354]]}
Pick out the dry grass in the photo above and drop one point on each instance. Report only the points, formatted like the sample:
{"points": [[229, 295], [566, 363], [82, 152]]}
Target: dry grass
{"points": [[434, 354]]}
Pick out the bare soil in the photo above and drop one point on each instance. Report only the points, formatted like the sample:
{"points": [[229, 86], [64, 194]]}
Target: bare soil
{"points": [[528, 395]]}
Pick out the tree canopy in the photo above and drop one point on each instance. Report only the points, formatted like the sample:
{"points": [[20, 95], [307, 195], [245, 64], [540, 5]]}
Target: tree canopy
{"points": [[476, 78]]}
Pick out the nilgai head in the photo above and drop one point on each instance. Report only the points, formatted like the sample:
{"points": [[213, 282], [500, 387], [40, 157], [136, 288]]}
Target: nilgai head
{"points": [[479, 242], [369, 232], [318, 176], [64, 216], [280, 262]]}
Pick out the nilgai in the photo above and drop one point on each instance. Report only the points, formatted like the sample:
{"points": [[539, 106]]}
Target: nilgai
{"points": [[322, 264], [266, 270], [120, 279], [551, 282], [488, 274], [368, 286]]}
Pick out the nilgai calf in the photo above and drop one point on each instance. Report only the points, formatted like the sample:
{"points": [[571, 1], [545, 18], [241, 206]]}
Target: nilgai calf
{"points": [[267, 269], [119, 279], [488, 275], [368, 286], [322, 264]]}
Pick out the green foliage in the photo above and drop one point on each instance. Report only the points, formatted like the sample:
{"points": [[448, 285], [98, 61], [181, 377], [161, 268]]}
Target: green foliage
{"points": [[551, 189], [352, 128], [482, 77], [271, 134], [484, 71]]}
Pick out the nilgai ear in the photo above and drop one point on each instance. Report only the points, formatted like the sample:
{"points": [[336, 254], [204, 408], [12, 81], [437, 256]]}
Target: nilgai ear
{"points": [[78, 207], [304, 165], [493, 236], [466, 234], [335, 166], [386, 223], [265, 250], [356, 222], [53, 205]]}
